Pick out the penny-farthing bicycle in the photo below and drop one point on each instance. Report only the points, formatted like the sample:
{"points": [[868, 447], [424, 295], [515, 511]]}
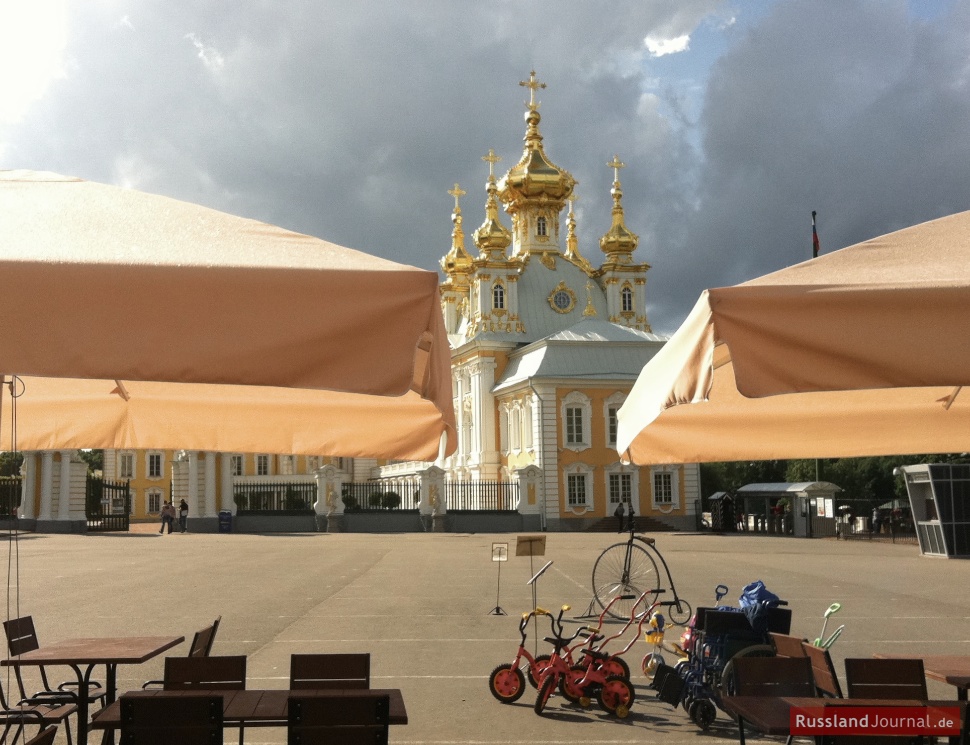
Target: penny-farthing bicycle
{"points": [[629, 569]]}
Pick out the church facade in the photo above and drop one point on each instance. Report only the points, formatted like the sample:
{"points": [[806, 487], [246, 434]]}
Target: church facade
{"points": [[546, 346]]}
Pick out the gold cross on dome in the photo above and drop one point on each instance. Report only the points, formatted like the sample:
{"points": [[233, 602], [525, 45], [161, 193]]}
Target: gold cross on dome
{"points": [[533, 85], [491, 159], [457, 192], [616, 165]]}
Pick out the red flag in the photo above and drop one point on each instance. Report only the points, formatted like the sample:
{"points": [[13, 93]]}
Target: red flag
{"points": [[815, 247]]}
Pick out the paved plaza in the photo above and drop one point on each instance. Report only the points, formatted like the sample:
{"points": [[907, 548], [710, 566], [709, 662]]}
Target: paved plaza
{"points": [[420, 603]]}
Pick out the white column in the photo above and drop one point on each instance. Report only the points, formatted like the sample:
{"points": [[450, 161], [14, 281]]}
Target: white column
{"points": [[193, 490], [210, 485], [64, 493], [46, 484], [225, 496], [29, 485]]}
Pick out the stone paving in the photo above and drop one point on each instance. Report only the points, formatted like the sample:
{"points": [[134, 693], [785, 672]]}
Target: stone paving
{"points": [[420, 604]]}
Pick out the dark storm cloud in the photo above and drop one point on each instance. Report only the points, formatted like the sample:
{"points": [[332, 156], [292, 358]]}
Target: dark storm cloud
{"points": [[351, 121], [855, 110]]}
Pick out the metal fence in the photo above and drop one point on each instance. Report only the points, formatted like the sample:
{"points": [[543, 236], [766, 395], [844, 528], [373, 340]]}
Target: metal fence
{"points": [[380, 496], [492, 496], [854, 521], [279, 499], [10, 495]]}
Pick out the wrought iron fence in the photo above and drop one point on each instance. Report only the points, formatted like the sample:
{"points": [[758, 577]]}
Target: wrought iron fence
{"points": [[10, 495], [107, 505], [380, 496], [280, 499], [854, 520], [490, 496]]}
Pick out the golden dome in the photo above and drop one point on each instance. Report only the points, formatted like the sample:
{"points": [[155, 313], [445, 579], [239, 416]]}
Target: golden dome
{"points": [[620, 242], [534, 178], [492, 237], [457, 261]]}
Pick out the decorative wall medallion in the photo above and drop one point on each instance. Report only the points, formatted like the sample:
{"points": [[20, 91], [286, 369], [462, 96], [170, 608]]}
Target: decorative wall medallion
{"points": [[562, 299]]}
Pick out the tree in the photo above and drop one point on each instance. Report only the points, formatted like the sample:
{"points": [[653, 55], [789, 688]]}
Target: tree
{"points": [[10, 463], [94, 459]]}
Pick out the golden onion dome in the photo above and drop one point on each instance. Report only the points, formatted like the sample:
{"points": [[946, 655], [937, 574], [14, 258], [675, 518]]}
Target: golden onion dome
{"points": [[492, 236], [619, 242], [534, 177], [457, 260]]}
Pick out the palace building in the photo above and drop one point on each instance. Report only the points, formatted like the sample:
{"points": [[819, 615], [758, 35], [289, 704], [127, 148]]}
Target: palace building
{"points": [[547, 340]]}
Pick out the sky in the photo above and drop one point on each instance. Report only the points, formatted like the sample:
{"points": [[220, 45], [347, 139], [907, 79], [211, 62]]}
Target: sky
{"points": [[352, 121]]}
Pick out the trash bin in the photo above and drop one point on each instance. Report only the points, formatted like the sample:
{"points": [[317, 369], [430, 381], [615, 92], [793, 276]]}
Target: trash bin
{"points": [[225, 521]]}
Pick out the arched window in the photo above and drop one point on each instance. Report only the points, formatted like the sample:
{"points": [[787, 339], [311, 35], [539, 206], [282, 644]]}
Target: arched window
{"points": [[498, 296], [626, 300], [541, 226]]}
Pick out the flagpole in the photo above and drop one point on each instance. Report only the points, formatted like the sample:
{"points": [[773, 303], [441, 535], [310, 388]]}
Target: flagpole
{"points": [[815, 248]]}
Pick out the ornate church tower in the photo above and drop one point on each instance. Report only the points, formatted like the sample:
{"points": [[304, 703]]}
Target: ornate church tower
{"points": [[456, 265], [623, 281]]}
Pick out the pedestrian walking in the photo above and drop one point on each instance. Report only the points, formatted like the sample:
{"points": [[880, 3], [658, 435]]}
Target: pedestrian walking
{"points": [[183, 514], [168, 517], [618, 514]]}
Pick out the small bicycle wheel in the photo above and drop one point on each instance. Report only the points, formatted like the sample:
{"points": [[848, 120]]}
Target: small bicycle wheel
{"points": [[616, 696], [614, 666], [569, 685], [545, 691], [624, 569], [651, 661], [679, 612], [536, 670], [507, 683]]}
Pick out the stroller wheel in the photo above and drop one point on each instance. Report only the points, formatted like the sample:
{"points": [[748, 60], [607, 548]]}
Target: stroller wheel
{"points": [[702, 713]]}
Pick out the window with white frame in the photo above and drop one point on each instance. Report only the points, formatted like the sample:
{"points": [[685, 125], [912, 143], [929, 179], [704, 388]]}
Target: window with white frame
{"points": [[287, 465], [262, 465], [236, 465], [126, 466], [620, 488], [626, 300], [576, 489], [515, 427], [611, 407], [665, 489], [153, 501], [576, 410], [541, 227], [498, 296], [527, 424], [154, 464]]}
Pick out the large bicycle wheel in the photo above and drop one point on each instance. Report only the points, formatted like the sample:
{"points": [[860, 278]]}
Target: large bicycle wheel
{"points": [[613, 576]]}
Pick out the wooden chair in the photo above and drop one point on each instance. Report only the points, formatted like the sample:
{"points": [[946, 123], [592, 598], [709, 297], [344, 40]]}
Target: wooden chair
{"points": [[886, 678], [773, 676], [171, 720], [826, 680], [205, 673], [329, 671], [22, 638], [203, 639], [786, 645], [33, 711], [201, 647], [348, 720]]}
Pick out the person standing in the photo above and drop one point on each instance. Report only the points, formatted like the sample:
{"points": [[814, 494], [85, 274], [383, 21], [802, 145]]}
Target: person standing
{"points": [[618, 514], [168, 517], [183, 514], [630, 522]]}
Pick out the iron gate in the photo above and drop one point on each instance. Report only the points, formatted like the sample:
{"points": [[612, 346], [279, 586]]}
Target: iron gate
{"points": [[107, 505]]}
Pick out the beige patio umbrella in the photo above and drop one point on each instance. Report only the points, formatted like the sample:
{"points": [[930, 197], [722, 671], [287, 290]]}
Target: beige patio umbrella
{"points": [[859, 352], [141, 321]]}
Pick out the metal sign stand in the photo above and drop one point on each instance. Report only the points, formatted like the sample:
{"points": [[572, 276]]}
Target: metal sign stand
{"points": [[500, 553]]}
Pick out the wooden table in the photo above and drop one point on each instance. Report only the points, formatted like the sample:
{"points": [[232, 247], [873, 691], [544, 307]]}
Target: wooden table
{"points": [[83, 655], [946, 668], [255, 707], [771, 715]]}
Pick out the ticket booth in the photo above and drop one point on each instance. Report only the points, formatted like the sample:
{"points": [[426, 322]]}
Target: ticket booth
{"points": [[939, 498]]}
